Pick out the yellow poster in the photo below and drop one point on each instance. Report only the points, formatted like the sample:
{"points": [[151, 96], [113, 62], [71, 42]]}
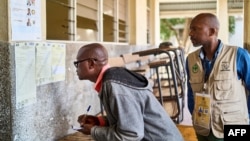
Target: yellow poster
{"points": [[202, 110], [58, 65], [43, 64]]}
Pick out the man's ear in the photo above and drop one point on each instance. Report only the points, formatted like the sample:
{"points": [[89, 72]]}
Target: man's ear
{"points": [[91, 64], [212, 31]]}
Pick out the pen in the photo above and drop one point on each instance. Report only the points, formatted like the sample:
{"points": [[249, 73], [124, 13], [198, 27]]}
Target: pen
{"points": [[84, 118], [88, 108]]}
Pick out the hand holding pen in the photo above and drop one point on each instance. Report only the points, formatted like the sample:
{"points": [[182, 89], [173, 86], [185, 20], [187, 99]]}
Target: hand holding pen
{"points": [[87, 122], [85, 116]]}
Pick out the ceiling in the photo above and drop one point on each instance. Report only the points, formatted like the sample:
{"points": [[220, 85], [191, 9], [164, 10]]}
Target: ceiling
{"points": [[189, 8]]}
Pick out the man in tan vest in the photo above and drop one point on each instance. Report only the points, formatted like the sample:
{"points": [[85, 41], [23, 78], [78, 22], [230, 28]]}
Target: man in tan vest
{"points": [[218, 76]]}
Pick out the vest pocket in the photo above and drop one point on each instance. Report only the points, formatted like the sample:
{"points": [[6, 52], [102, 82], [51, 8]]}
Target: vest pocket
{"points": [[223, 90], [220, 120], [217, 122], [233, 118]]}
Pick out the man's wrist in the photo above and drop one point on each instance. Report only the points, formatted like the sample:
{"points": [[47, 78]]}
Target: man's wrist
{"points": [[101, 121]]}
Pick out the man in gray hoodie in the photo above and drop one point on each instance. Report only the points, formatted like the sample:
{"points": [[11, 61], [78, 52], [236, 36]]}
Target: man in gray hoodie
{"points": [[132, 111]]}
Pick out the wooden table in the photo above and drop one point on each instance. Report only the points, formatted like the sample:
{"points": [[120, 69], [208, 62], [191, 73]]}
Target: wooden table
{"points": [[77, 136], [154, 51]]}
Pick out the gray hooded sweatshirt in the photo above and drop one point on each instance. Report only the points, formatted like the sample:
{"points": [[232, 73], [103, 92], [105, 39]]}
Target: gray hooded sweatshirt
{"points": [[133, 112]]}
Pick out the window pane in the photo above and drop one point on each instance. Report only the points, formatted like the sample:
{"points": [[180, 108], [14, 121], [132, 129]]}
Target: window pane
{"points": [[59, 22], [86, 29]]}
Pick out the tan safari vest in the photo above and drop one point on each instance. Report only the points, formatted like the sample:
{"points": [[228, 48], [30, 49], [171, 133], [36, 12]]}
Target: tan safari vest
{"points": [[227, 93]]}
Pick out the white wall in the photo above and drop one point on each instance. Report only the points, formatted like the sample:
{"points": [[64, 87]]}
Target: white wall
{"points": [[237, 37]]}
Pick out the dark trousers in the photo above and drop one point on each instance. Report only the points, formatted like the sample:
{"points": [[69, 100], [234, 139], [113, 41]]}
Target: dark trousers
{"points": [[210, 137]]}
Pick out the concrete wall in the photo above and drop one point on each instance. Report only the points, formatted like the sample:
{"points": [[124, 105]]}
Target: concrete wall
{"points": [[5, 94], [58, 104]]}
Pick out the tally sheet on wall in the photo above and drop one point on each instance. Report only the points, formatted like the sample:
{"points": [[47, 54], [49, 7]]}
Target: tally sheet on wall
{"points": [[58, 61], [37, 64], [26, 20], [25, 74], [43, 63], [50, 62]]}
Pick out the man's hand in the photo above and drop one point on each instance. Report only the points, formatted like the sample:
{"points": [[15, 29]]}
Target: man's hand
{"points": [[86, 129], [87, 122]]}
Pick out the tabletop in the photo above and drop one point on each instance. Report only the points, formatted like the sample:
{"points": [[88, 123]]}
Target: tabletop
{"points": [[154, 51]]}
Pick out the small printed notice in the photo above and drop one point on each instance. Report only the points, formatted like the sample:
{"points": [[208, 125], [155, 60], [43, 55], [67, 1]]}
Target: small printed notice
{"points": [[26, 20]]}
